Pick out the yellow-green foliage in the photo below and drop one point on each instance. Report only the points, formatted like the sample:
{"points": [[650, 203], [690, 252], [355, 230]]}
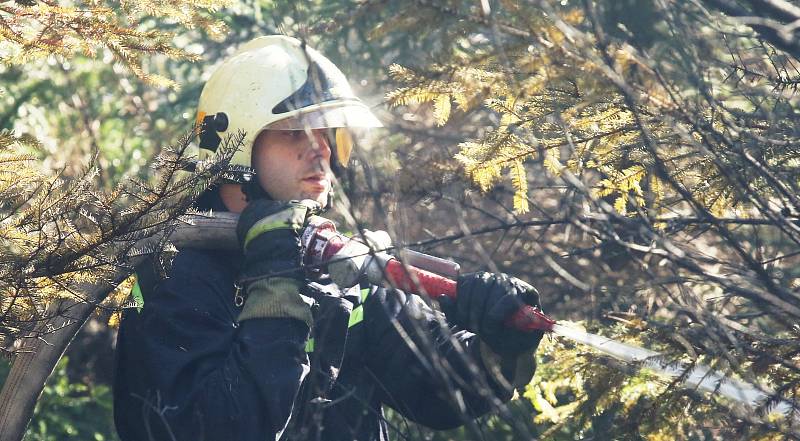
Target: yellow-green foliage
{"points": [[597, 127], [624, 183], [465, 86], [557, 99], [40, 29], [57, 231]]}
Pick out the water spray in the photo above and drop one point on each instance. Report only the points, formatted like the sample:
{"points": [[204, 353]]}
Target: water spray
{"points": [[347, 260], [700, 376]]}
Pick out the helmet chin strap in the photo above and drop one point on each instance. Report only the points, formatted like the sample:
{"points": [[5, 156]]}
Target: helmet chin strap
{"points": [[252, 190]]}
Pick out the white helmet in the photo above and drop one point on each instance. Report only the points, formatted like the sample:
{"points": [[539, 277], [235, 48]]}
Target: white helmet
{"points": [[277, 82]]}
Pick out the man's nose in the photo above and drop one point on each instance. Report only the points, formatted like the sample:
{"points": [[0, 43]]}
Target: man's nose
{"points": [[320, 144]]}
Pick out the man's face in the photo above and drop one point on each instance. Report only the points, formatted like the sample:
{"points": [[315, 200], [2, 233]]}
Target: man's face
{"points": [[293, 164]]}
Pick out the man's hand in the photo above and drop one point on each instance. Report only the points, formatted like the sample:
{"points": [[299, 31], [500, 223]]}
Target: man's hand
{"points": [[269, 234], [483, 304]]}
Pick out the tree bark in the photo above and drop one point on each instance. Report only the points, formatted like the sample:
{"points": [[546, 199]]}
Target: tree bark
{"points": [[38, 355]]}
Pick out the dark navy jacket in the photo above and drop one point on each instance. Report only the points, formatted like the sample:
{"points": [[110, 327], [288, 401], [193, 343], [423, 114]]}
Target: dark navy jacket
{"points": [[187, 370]]}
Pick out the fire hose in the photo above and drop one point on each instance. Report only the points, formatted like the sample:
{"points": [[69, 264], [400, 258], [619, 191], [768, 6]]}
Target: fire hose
{"points": [[348, 259]]}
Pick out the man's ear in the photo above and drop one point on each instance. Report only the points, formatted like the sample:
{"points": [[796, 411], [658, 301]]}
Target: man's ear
{"points": [[232, 197]]}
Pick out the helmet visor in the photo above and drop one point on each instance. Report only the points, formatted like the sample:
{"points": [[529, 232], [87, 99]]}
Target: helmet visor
{"points": [[349, 114]]}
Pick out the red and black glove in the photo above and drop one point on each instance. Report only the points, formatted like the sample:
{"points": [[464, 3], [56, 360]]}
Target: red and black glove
{"points": [[483, 304]]}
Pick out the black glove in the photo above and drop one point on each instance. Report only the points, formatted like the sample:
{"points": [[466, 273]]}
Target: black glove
{"points": [[483, 304], [269, 233]]}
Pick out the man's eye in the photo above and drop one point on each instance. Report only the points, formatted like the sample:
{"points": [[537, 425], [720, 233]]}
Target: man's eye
{"points": [[293, 134]]}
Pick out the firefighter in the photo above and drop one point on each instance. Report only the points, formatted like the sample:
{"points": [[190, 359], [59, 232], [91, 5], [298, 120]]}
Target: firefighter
{"points": [[248, 345]]}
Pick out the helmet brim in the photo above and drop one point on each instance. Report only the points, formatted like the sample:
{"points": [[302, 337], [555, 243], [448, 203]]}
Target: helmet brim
{"points": [[354, 115]]}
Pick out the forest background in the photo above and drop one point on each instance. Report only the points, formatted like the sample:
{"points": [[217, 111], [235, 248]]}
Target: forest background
{"points": [[637, 161]]}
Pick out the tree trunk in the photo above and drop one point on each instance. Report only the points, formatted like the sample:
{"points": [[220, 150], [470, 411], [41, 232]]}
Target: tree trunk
{"points": [[38, 355]]}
